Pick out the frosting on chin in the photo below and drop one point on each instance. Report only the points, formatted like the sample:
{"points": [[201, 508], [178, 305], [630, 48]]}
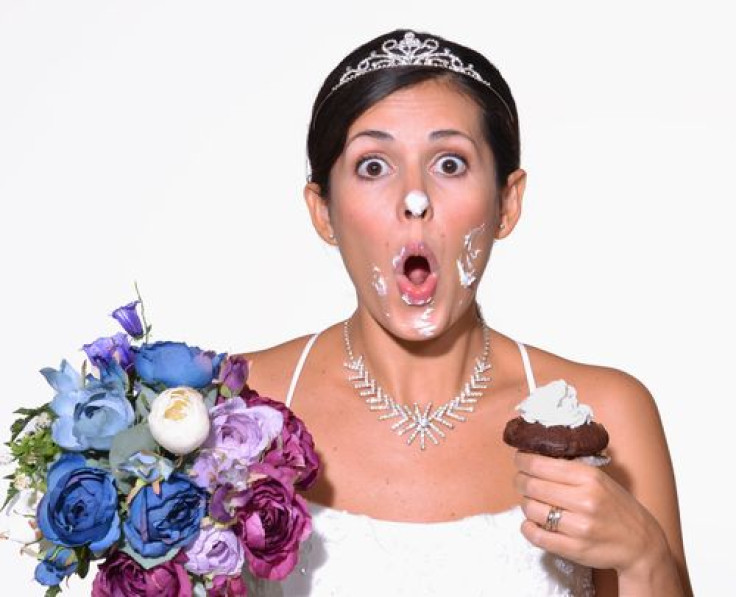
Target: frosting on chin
{"points": [[555, 404]]}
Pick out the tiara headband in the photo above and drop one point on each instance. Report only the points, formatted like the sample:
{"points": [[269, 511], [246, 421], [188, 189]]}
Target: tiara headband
{"points": [[411, 51]]}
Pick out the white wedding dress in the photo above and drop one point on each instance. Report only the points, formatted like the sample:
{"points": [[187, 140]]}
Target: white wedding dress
{"points": [[353, 555]]}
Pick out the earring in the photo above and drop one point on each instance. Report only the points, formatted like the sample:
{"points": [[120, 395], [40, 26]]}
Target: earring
{"points": [[501, 226], [332, 236]]}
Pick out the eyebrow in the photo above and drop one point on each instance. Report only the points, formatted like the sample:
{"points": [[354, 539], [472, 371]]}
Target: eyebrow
{"points": [[444, 133], [373, 134], [433, 136]]}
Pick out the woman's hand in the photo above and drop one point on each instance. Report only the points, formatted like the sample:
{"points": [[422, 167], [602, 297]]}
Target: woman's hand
{"points": [[601, 525]]}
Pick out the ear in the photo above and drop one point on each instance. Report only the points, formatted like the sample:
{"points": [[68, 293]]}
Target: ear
{"points": [[319, 212], [512, 196]]}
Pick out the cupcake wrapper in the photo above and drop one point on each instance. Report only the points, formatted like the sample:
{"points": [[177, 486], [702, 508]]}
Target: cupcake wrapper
{"points": [[594, 460]]}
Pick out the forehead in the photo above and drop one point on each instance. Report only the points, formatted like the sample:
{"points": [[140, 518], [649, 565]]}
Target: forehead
{"points": [[427, 106]]}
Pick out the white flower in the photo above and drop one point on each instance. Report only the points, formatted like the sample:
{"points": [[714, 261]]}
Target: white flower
{"points": [[42, 421], [18, 518], [179, 420], [21, 481]]}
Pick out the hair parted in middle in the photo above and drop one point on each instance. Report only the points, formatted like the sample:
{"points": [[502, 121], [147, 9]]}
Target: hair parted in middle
{"points": [[338, 105]]}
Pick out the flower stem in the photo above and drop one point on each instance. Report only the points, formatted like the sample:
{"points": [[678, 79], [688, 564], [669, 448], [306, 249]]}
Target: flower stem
{"points": [[146, 327]]}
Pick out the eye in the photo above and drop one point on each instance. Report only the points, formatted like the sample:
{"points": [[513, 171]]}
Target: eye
{"points": [[372, 167], [451, 165]]}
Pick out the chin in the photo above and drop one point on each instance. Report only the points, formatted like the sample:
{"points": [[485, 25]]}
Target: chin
{"points": [[423, 322]]}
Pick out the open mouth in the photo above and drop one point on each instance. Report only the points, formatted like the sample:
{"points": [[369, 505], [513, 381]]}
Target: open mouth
{"points": [[417, 269], [416, 274]]}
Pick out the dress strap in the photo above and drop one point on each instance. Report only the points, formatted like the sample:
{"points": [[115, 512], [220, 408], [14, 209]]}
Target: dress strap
{"points": [[298, 369], [527, 367]]}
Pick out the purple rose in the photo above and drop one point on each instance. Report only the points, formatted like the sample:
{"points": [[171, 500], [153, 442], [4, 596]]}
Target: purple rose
{"points": [[227, 586], [238, 436], [121, 575], [271, 524], [215, 551], [297, 446], [104, 350], [127, 317], [234, 373]]}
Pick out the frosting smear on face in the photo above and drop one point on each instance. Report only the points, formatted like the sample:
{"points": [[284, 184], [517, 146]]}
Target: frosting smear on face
{"points": [[555, 404]]}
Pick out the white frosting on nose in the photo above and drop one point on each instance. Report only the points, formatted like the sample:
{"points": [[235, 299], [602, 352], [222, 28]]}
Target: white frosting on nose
{"points": [[416, 202]]}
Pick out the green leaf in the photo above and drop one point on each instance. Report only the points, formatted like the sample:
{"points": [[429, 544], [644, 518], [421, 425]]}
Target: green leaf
{"points": [[83, 556], [12, 491], [32, 412], [146, 396], [17, 427], [211, 397], [149, 563], [124, 445], [52, 591]]}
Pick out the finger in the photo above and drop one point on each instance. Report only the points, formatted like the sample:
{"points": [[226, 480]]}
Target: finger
{"points": [[559, 470], [550, 492], [557, 543], [570, 523]]}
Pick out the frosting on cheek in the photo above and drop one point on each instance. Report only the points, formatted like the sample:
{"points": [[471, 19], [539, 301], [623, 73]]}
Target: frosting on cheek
{"points": [[379, 282], [467, 262]]}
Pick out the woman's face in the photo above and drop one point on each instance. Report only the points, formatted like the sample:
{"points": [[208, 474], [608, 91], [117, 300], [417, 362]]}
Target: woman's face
{"points": [[415, 263]]}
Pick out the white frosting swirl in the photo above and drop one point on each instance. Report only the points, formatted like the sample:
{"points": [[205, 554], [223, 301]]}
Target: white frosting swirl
{"points": [[555, 404]]}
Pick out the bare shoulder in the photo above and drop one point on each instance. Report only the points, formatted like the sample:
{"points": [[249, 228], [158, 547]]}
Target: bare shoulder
{"points": [[623, 405], [270, 369], [614, 394]]}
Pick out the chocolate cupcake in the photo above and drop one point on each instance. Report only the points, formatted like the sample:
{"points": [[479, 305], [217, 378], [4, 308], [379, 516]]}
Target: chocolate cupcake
{"points": [[553, 423]]}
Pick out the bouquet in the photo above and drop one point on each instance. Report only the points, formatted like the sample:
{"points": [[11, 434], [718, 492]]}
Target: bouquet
{"points": [[159, 461]]}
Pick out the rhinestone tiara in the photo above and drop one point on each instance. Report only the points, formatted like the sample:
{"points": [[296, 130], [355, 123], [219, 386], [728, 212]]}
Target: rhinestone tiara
{"points": [[411, 51]]}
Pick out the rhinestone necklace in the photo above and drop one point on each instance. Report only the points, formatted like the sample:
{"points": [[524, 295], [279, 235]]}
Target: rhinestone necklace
{"points": [[411, 418]]}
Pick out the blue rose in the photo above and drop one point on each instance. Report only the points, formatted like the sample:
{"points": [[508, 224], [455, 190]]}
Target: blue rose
{"points": [[127, 317], [89, 414], [170, 519], [57, 563], [176, 364], [80, 506]]}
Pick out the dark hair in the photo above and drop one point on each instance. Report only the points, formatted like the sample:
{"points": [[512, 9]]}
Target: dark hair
{"points": [[334, 111]]}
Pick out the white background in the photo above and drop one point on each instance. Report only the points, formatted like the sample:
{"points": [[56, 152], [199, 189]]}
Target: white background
{"points": [[163, 142]]}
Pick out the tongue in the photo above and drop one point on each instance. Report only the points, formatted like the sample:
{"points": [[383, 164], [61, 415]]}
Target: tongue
{"points": [[417, 276]]}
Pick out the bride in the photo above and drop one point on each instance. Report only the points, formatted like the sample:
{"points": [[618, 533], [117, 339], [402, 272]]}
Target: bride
{"points": [[414, 153]]}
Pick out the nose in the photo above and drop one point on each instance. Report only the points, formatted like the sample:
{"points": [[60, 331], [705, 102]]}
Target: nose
{"points": [[416, 205]]}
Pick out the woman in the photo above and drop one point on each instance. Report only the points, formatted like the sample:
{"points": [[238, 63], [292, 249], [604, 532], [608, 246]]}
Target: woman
{"points": [[414, 154]]}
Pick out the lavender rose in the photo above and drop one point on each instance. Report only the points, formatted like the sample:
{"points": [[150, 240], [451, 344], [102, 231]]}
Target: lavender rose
{"points": [[122, 575], [234, 373], [297, 446], [271, 523], [238, 436], [215, 551]]}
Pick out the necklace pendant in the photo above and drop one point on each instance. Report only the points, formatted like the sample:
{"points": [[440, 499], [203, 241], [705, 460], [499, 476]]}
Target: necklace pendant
{"points": [[418, 422]]}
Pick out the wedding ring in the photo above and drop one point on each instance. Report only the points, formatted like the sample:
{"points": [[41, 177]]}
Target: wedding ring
{"points": [[553, 519]]}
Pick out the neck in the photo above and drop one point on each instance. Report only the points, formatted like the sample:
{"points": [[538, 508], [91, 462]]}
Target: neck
{"points": [[426, 371]]}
